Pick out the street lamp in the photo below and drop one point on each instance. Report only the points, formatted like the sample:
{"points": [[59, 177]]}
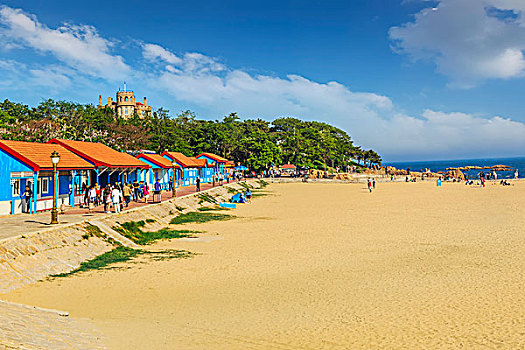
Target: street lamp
{"points": [[55, 158], [173, 190]]}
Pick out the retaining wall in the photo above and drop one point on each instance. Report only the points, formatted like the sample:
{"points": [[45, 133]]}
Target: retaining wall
{"points": [[28, 258]]}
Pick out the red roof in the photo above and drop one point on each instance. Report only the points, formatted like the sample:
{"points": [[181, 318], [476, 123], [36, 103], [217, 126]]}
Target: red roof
{"points": [[101, 155], [288, 166], [215, 157], [180, 158], [202, 163], [230, 163], [158, 160], [38, 155]]}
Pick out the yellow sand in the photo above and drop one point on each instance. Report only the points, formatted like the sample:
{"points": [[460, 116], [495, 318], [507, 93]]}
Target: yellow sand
{"points": [[324, 266]]}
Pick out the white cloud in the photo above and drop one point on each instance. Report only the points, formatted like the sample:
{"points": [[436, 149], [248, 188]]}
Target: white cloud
{"points": [[52, 77], [79, 47], [190, 63], [453, 135], [469, 40], [153, 52]]}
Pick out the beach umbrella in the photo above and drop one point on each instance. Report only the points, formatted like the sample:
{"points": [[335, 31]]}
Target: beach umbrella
{"points": [[241, 167]]}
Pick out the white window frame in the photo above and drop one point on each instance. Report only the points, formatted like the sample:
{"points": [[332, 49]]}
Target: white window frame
{"points": [[15, 189], [45, 181]]}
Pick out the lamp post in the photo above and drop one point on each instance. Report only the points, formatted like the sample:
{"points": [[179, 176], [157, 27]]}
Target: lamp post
{"points": [[213, 177], [173, 190], [55, 157]]}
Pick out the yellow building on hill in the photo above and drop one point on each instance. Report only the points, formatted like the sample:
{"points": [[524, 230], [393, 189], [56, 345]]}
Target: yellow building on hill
{"points": [[125, 105]]}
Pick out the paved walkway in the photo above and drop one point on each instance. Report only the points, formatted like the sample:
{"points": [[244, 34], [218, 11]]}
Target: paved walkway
{"points": [[26, 327], [14, 225]]}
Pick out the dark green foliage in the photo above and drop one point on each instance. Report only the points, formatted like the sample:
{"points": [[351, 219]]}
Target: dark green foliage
{"points": [[260, 194], [245, 185], [133, 226], [144, 238], [121, 254], [149, 221], [132, 230], [118, 254], [263, 183], [231, 190], [204, 197], [211, 208], [257, 144], [95, 231], [196, 217], [167, 254]]}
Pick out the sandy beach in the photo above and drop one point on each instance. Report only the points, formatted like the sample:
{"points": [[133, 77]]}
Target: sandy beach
{"points": [[323, 266]]}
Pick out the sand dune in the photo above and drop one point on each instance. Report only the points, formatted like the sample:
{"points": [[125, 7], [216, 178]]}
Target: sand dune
{"points": [[324, 266]]}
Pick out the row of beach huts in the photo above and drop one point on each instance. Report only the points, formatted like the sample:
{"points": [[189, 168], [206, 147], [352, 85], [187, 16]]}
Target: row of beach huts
{"points": [[84, 164]]}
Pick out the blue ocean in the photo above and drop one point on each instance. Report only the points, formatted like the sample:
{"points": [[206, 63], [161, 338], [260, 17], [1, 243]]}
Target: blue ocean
{"points": [[441, 165]]}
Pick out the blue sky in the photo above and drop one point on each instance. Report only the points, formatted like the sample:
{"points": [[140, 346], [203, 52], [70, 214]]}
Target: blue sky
{"points": [[413, 79]]}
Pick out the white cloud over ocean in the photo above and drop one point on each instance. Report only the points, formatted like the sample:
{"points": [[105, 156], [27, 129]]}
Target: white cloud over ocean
{"points": [[81, 56]]}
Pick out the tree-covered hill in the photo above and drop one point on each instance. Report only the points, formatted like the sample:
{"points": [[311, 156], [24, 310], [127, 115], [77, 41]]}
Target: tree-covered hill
{"points": [[257, 144]]}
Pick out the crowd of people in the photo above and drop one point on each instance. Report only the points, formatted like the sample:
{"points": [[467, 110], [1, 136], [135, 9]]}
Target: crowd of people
{"points": [[116, 196]]}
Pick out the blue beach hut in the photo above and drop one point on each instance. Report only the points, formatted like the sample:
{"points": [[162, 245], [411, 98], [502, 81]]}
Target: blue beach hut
{"points": [[29, 164], [160, 169], [110, 166], [218, 163], [189, 169]]}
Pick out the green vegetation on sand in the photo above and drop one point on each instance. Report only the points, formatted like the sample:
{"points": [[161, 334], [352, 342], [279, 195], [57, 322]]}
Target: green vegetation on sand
{"points": [[118, 254], [199, 217], [204, 197], [263, 183], [211, 208], [133, 231], [122, 254]]}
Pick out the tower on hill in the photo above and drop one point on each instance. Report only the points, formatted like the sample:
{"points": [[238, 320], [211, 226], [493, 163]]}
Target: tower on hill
{"points": [[125, 104]]}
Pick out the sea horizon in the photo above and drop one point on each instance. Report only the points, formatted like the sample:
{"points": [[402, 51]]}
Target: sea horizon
{"points": [[442, 165]]}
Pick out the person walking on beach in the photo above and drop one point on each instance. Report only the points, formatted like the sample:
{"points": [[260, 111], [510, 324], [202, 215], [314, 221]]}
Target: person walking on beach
{"points": [[98, 193], [106, 198], [86, 196], [438, 182], [115, 197], [374, 183], [26, 200], [135, 190], [157, 191], [370, 185], [146, 192], [516, 174], [126, 191], [92, 197]]}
